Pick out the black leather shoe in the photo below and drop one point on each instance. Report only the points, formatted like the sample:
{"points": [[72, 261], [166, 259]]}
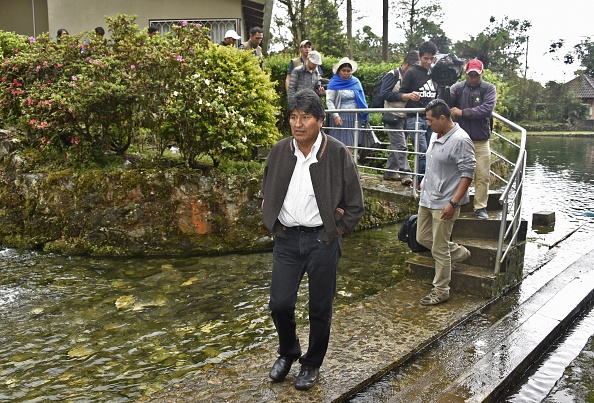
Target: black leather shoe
{"points": [[281, 368], [308, 376]]}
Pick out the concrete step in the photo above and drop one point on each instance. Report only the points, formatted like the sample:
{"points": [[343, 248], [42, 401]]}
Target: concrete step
{"points": [[470, 226], [492, 202], [466, 278]]}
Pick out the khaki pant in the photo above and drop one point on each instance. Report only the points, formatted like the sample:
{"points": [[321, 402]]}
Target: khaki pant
{"points": [[482, 153], [435, 233]]}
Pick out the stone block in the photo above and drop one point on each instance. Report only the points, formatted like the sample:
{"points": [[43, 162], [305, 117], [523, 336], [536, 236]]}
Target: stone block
{"points": [[543, 218]]}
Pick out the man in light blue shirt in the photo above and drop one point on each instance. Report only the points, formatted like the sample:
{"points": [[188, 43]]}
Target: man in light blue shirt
{"points": [[450, 169]]}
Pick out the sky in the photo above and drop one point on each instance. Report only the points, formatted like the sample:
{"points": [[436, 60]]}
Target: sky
{"points": [[572, 20]]}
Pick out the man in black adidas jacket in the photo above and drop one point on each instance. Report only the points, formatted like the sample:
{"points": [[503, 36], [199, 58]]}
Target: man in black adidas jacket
{"points": [[417, 90]]}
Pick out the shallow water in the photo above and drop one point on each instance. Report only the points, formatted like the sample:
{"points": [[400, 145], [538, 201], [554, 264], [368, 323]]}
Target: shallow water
{"points": [[82, 329]]}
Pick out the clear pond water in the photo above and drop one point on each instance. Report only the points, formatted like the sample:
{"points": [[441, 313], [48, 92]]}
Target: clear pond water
{"points": [[112, 330]]}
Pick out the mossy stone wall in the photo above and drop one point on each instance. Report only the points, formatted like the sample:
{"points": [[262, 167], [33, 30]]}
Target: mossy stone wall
{"points": [[138, 211]]}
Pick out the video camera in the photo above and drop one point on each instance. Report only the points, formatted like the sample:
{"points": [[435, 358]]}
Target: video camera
{"points": [[447, 69]]}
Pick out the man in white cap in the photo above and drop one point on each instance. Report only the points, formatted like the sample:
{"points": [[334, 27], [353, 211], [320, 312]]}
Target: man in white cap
{"points": [[307, 76], [230, 38], [304, 48], [473, 102]]}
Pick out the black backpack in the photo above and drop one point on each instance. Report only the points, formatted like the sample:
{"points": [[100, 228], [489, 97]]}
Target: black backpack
{"points": [[376, 99], [408, 234]]}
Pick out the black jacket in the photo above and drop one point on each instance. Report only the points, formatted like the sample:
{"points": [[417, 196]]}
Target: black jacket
{"points": [[418, 79]]}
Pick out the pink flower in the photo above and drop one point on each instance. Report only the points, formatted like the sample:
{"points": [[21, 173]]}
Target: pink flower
{"points": [[32, 122], [29, 101], [31, 39], [184, 23], [180, 58], [74, 78], [132, 67]]}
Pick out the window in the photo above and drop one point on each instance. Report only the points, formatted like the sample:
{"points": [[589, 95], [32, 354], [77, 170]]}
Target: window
{"points": [[218, 27]]}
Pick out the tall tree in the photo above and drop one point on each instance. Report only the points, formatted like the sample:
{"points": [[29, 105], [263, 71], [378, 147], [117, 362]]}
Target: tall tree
{"points": [[385, 15], [412, 17], [349, 16], [583, 51], [367, 46], [316, 20], [325, 29], [499, 47], [290, 18]]}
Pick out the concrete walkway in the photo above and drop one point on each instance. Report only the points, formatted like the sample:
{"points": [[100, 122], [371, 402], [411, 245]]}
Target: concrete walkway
{"points": [[368, 339], [378, 334]]}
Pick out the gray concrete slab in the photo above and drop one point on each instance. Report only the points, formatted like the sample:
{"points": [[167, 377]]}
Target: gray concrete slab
{"points": [[368, 339], [530, 331]]}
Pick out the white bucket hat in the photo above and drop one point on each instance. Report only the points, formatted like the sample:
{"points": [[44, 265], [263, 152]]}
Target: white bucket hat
{"points": [[345, 60], [315, 57]]}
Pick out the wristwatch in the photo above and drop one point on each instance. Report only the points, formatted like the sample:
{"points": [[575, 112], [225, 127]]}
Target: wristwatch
{"points": [[454, 205]]}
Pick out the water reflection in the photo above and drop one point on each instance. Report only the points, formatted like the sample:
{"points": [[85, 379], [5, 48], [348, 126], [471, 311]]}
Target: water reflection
{"points": [[81, 329], [559, 178]]}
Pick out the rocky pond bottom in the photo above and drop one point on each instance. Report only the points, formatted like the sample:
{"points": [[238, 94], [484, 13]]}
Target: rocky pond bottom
{"points": [[82, 329]]}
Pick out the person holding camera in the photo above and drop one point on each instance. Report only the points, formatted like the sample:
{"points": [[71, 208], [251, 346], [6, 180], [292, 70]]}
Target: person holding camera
{"points": [[307, 76]]}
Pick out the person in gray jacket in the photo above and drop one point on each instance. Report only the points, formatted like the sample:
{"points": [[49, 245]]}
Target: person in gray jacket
{"points": [[306, 76], [449, 171], [311, 196]]}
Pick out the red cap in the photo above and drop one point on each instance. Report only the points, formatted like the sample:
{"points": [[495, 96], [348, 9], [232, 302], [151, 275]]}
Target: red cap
{"points": [[474, 65]]}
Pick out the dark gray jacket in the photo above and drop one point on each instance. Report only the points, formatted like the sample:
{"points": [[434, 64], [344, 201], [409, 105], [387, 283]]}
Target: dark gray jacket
{"points": [[476, 115], [335, 182]]}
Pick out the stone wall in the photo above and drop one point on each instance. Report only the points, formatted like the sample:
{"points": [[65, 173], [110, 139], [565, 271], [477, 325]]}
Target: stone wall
{"points": [[139, 211]]}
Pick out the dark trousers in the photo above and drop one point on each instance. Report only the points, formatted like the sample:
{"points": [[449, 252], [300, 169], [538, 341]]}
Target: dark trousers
{"points": [[301, 253]]}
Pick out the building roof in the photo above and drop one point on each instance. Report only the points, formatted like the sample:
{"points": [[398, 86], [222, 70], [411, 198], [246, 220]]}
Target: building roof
{"points": [[582, 86]]}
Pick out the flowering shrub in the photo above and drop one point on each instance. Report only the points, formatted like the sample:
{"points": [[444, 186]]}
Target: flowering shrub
{"points": [[85, 95]]}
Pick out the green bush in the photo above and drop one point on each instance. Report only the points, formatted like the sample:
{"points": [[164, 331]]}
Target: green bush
{"points": [[10, 43], [86, 96]]}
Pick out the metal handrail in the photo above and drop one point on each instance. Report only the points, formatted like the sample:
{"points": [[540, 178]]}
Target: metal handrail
{"points": [[507, 199], [516, 180]]}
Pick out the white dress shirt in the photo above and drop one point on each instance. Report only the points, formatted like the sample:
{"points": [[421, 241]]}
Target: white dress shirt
{"points": [[300, 206]]}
